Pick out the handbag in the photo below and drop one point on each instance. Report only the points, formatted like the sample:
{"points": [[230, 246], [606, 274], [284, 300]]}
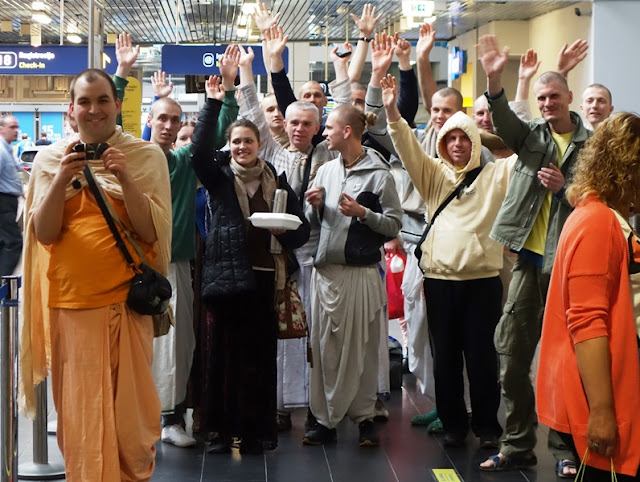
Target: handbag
{"points": [[150, 292], [466, 182], [580, 473], [395, 272], [292, 318]]}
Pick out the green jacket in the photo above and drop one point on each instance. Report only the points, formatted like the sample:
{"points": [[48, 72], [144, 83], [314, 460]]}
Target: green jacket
{"points": [[535, 147], [184, 184]]}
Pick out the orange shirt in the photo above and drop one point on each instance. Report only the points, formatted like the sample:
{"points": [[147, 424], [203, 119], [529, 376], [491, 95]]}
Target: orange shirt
{"points": [[86, 269], [589, 297]]}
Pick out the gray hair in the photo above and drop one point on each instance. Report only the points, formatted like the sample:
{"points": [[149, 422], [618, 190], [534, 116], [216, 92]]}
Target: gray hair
{"points": [[302, 106]]}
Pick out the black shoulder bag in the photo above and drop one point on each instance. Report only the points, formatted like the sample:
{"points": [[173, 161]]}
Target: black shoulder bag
{"points": [[466, 182], [150, 292]]}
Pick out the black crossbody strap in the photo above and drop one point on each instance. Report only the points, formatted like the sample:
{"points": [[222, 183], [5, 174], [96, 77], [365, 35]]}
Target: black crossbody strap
{"points": [[109, 216], [307, 176], [467, 181]]}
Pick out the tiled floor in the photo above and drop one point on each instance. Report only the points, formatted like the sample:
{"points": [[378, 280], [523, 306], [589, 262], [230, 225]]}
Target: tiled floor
{"points": [[406, 454]]}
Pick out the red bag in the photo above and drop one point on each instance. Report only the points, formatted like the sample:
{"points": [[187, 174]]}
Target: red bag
{"points": [[394, 281]]}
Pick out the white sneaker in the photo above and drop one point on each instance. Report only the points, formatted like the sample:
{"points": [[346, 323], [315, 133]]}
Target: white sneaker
{"points": [[176, 435]]}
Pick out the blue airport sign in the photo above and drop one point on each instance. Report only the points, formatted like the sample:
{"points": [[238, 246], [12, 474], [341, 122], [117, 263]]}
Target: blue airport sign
{"points": [[50, 59], [205, 59]]}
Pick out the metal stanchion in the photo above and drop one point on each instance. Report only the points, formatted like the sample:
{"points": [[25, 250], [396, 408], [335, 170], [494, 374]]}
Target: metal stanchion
{"points": [[9, 378], [40, 468]]}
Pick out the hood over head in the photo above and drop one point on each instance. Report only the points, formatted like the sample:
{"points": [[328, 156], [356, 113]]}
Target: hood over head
{"points": [[460, 120]]}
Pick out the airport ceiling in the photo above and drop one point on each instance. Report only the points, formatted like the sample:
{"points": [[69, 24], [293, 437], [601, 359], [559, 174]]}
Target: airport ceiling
{"points": [[216, 21]]}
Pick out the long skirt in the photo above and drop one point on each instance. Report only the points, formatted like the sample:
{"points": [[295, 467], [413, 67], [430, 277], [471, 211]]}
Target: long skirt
{"points": [[240, 400]]}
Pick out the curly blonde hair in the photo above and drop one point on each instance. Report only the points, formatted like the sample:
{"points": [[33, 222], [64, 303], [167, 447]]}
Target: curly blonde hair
{"points": [[609, 163]]}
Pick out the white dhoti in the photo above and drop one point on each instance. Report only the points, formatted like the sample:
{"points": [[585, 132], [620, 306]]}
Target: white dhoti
{"points": [[173, 352], [415, 314], [384, 383], [345, 337], [293, 369]]}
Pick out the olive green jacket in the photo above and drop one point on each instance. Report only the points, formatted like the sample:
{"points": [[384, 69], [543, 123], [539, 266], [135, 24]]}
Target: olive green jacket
{"points": [[535, 147]]}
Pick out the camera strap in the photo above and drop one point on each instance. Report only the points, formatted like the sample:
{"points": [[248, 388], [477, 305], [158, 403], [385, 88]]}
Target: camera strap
{"points": [[112, 218]]}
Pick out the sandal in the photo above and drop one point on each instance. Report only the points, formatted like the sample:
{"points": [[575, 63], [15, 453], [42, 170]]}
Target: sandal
{"points": [[503, 463], [566, 464]]}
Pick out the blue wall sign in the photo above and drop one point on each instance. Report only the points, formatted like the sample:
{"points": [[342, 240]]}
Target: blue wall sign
{"points": [[49, 59], [27, 124], [204, 59], [52, 124]]}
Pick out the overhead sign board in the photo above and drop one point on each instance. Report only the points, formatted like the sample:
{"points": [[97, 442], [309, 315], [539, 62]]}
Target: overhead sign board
{"points": [[205, 59], [50, 59], [418, 8]]}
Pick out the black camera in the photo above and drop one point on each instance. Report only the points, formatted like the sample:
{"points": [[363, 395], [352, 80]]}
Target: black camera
{"points": [[92, 151]]}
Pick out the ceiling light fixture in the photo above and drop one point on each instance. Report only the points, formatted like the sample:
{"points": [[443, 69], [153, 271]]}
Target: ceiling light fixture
{"points": [[38, 6], [74, 38], [249, 8], [41, 17]]}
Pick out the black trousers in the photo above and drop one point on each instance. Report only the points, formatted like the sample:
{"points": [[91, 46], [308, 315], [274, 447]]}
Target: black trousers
{"points": [[462, 317], [10, 234], [592, 474]]}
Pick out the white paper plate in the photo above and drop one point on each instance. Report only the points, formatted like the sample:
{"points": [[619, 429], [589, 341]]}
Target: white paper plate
{"points": [[275, 221]]}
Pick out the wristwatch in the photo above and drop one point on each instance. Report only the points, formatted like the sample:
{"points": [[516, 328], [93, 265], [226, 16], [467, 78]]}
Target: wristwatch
{"points": [[365, 39]]}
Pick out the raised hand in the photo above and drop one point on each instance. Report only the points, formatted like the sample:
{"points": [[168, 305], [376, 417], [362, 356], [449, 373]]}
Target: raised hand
{"points": [[529, 65], [493, 61], [159, 84], [403, 52], [246, 56], [389, 86], [126, 54], [367, 22], [214, 88], [229, 66], [276, 40], [426, 41], [382, 50], [334, 57], [569, 57], [262, 18]]}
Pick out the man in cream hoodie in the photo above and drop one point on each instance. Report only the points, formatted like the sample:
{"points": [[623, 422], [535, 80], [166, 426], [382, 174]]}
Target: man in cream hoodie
{"points": [[460, 264]]}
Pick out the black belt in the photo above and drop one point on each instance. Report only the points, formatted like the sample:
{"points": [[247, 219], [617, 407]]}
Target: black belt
{"points": [[2, 194]]}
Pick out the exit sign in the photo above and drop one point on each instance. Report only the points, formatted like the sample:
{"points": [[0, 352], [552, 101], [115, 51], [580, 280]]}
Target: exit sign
{"points": [[417, 8]]}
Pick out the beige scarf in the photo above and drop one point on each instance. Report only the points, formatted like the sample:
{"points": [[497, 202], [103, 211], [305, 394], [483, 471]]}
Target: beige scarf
{"points": [[244, 175], [148, 167]]}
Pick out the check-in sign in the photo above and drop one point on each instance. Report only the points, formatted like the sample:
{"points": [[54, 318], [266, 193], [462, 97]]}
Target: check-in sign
{"points": [[49, 59], [205, 59]]}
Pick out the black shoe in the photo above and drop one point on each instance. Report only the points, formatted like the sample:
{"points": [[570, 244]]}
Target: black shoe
{"points": [[368, 434], [319, 435], [310, 422], [219, 446], [251, 446], [283, 422], [453, 440], [489, 442]]}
